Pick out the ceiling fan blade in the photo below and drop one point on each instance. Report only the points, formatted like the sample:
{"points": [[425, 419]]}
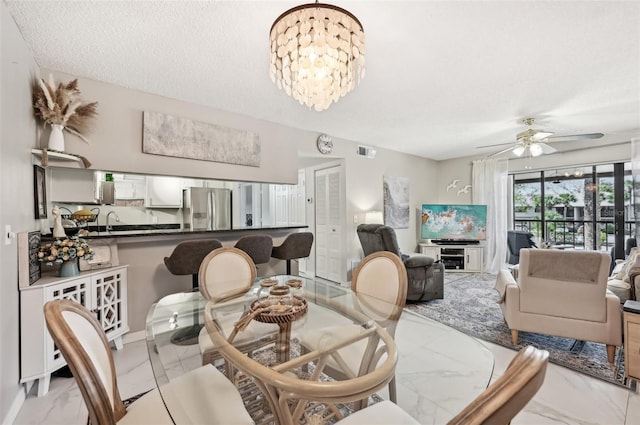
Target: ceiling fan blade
{"points": [[493, 146], [572, 137], [540, 135], [546, 149], [509, 149]]}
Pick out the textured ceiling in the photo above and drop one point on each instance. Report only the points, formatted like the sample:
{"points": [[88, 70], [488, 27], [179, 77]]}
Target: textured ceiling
{"points": [[443, 77]]}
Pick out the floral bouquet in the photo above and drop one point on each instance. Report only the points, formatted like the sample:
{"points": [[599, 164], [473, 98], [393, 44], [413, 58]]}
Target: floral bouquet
{"points": [[61, 105], [63, 250]]}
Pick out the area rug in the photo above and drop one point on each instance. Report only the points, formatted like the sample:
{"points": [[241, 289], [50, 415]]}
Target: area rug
{"points": [[470, 306]]}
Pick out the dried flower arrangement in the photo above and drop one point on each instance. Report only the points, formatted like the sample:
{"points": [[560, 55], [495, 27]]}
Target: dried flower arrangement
{"points": [[61, 105]]}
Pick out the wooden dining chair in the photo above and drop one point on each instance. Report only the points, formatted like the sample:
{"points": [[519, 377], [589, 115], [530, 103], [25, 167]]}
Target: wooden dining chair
{"points": [[497, 405], [226, 274], [380, 284], [205, 394]]}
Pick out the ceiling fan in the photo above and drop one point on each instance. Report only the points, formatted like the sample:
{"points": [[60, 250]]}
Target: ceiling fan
{"points": [[535, 142]]}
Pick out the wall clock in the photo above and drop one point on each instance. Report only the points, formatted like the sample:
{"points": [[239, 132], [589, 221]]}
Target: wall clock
{"points": [[325, 144]]}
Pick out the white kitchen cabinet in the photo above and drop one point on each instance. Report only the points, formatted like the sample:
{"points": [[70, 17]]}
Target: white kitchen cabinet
{"points": [[104, 292], [456, 258], [164, 192]]}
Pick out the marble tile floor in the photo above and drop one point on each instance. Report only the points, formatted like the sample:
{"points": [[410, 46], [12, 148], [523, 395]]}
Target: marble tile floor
{"points": [[566, 397]]}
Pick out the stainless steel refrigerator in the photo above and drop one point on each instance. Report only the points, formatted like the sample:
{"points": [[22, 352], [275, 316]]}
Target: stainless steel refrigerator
{"points": [[206, 209]]}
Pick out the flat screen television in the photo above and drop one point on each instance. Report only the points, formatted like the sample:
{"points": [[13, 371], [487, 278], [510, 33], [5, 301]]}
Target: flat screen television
{"points": [[443, 222]]}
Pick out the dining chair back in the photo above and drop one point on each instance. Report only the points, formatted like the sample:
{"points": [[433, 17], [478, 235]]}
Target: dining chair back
{"points": [[380, 284], [508, 395], [86, 349], [380, 280], [497, 405], [226, 273], [206, 394]]}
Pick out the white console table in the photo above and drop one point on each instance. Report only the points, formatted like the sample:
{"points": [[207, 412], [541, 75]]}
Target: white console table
{"points": [[456, 258], [103, 291]]}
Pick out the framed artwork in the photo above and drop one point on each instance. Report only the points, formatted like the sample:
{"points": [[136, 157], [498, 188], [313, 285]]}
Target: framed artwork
{"points": [[396, 202], [39, 192], [178, 137]]}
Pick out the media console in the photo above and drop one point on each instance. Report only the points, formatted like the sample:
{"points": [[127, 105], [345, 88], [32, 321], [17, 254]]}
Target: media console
{"points": [[455, 241], [455, 257]]}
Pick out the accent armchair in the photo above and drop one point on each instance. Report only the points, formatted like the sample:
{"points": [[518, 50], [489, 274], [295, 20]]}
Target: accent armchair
{"points": [[425, 276], [516, 240], [562, 293]]}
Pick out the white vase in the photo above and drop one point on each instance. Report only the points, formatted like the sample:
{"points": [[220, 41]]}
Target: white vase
{"points": [[56, 138]]}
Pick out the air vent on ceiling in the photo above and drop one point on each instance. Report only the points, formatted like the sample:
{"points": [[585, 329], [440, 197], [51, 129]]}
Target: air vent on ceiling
{"points": [[366, 151]]}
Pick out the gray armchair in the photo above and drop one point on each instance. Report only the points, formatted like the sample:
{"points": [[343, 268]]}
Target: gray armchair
{"points": [[425, 277]]}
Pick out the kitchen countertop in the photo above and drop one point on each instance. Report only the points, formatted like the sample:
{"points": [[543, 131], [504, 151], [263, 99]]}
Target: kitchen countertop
{"points": [[129, 231]]}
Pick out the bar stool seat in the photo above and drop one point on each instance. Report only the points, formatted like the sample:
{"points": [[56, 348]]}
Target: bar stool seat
{"points": [[296, 245], [184, 260], [258, 247]]}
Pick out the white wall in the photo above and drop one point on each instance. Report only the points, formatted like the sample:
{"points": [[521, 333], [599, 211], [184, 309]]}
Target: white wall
{"points": [[115, 144], [17, 136]]}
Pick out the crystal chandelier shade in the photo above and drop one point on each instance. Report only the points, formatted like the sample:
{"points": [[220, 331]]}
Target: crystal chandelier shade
{"points": [[317, 53]]}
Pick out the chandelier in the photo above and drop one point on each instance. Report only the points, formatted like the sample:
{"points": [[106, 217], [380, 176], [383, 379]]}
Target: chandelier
{"points": [[317, 53]]}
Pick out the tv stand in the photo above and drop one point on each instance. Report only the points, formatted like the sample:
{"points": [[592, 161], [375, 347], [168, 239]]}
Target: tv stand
{"points": [[455, 241], [455, 257]]}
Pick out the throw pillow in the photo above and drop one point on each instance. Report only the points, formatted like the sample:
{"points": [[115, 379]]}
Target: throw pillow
{"points": [[633, 268], [623, 272]]}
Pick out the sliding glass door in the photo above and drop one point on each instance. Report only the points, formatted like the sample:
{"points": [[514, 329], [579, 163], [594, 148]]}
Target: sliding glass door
{"points": [[587, 207]]}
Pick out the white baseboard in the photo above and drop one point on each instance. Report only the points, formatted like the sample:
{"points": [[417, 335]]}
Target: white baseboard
{"points": [[16, 405], [133, 337]]}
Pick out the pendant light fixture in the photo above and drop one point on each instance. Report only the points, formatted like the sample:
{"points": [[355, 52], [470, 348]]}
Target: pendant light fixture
{"points": [[317, 53]]}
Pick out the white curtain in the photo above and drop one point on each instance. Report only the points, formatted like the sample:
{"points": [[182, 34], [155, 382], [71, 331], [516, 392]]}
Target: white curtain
{"points": [[635, 170], [490, 187]]}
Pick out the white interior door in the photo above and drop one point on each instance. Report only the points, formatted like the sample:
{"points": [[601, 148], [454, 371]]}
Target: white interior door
{"points": [[329, 227]]}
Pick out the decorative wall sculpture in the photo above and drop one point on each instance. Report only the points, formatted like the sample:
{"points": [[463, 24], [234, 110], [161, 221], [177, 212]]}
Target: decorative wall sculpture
{"points": [[183, 138], [396, 202]]}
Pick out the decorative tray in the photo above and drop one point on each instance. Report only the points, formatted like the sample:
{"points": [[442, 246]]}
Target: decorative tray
{"points": [[266, 311]]}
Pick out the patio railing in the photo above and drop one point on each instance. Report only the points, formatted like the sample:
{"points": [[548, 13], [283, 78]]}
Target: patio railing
{"points": [[571, 233]]}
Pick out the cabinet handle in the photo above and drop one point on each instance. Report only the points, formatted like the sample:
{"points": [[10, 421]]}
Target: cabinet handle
{"points": [[467, 258]]}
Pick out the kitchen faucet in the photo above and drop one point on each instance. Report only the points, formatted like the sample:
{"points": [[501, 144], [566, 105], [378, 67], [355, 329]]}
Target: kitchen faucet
{"points": [[109, 227]]}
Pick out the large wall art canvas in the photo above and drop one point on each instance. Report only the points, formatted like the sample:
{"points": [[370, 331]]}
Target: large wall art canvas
{"points": [[396, 202], [183, 138]]}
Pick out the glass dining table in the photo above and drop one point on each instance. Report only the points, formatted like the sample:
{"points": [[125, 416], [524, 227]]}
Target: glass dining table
{"points": [[283, 379]]}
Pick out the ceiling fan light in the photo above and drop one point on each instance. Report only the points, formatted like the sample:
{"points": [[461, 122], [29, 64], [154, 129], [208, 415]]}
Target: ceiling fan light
{"points": [[536, 149], [518, 150]]}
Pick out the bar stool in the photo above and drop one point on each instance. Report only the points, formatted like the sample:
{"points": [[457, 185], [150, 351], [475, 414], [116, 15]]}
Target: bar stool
{"points": [[258, 247], [185, 259], [296, 245]]}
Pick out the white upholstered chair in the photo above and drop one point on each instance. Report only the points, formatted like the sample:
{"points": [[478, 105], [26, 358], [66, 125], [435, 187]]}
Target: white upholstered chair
{"points": [[562, 293], [207, 395], [225, 274], [497, 405], [380, 282]]}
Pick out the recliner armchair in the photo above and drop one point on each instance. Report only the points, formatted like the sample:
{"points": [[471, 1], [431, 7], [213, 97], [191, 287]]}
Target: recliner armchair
{"points": [[425, 276]]}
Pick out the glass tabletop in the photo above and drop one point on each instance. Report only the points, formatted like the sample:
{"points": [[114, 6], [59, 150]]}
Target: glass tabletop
{"points": [[437, 364], [264, 325]]}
